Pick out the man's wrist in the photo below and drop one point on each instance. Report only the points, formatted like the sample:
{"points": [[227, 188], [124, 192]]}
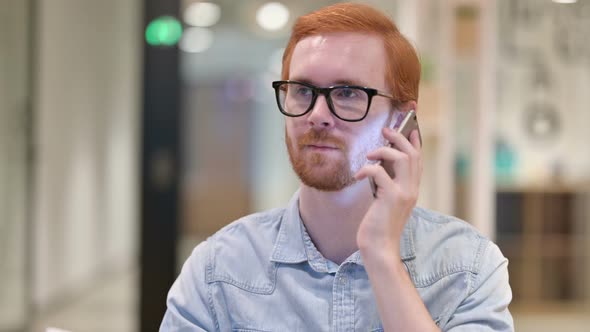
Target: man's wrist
{"points": [[379, 256]]}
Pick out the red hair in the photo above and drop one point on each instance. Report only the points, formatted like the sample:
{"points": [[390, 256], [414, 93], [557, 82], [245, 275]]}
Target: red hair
{"points": [[402, 65]]}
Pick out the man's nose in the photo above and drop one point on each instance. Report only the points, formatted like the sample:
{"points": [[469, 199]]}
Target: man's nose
{"points": [[320, 115]]}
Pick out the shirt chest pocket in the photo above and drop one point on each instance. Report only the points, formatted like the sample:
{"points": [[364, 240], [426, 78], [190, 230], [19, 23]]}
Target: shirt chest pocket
{"points": [[444, 295], [284, 309]]}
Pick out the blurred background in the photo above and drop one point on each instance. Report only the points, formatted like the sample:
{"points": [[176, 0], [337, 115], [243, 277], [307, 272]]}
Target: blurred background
{"points": [[130, 130]]}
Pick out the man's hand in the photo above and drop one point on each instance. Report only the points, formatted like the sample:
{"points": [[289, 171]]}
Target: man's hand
{"points": [[382, 226], [379, 235]]}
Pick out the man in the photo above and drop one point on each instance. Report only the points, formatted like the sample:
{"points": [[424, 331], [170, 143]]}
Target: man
{"points": [[338, 258]]}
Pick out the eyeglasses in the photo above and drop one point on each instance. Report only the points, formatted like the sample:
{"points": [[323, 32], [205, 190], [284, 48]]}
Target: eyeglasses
{"points": [[346, 102]]}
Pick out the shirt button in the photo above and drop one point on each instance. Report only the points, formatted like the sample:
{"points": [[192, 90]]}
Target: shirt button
{"points": [[342, 280]]}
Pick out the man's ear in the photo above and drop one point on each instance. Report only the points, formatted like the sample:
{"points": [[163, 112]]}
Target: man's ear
{"points": [[408, 106]]}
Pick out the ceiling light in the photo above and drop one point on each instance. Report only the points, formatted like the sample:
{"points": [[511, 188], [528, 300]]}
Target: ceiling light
{"points": [[272, 16], [202, 14], [196, 40]]}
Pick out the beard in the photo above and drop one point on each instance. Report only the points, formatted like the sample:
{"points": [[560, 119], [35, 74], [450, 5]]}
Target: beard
{"points": [[329, 173], [316, 169]]}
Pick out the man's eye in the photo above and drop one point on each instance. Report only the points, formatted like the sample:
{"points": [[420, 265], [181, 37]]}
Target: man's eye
{"points": [[303, 91], [347, 93]]}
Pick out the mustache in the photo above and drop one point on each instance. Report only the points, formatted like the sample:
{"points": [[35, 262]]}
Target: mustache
{"points": [[319, 137]]}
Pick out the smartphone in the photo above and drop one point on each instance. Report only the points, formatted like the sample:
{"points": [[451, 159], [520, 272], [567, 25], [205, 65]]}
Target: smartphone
{"points": [[408, 124]]}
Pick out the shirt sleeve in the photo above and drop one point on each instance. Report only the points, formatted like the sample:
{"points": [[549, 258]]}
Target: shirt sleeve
{"points": [[486, 306], [188, 303]]}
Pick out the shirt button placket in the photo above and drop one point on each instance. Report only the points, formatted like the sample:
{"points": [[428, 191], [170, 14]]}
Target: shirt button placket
{"points": [[343, 305]]}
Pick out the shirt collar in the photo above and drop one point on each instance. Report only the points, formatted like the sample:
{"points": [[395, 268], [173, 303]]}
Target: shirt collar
{"points": [[290, 246]]}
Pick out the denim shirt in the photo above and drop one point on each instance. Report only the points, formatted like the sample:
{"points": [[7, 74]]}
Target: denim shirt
{"points": [[263, 273]]}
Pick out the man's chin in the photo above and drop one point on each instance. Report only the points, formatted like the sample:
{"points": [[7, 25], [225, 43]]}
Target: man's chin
{"points": [[317, 171], [329, 182]]}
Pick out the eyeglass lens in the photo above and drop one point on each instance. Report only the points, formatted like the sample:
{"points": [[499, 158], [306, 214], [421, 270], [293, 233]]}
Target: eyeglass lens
{"points": [[348, 103]]}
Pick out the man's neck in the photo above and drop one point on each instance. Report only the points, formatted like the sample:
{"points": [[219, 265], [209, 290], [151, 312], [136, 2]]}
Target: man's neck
{"points": [[332, 218]]}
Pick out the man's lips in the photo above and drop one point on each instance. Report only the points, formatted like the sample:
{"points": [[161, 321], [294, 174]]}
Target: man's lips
{"points": [[320, 147]]}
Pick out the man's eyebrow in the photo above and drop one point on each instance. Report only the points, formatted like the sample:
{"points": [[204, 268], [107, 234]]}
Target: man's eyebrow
{"points": [[348, 82], [333, 83], [302, 80]]}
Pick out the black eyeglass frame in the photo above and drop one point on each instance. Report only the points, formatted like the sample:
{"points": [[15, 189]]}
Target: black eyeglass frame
{"points": [[326, 92]]}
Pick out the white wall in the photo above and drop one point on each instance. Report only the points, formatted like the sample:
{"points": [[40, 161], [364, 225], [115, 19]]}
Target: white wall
{"points": [[14, 94], [86, 106]]}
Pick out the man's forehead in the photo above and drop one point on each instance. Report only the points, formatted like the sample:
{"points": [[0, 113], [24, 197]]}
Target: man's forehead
{"points": [[316, 40], [323, 40], [339, 56]]}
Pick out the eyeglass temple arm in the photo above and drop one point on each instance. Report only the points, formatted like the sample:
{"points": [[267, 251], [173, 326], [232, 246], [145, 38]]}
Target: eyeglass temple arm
{"points": [[383, 94]]}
